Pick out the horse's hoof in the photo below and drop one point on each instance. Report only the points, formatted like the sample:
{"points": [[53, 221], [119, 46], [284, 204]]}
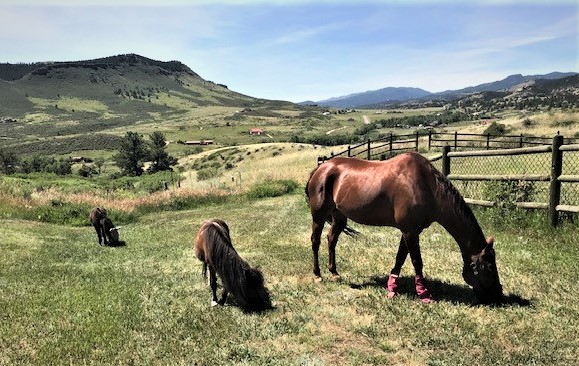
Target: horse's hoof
{"points": [[392, 294], [336, 278], [318, 279], [427, 300], [214, 303]]}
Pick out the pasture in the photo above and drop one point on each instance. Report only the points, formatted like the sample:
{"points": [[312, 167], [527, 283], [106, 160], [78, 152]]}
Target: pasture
{"points": [[66, 300]]}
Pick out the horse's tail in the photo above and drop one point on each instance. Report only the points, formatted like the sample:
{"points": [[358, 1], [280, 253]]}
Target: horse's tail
{"points": [[348, 230], [245, 283]]}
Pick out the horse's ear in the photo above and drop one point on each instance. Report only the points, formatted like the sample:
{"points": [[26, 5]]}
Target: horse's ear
{"points": [[490, 241]]}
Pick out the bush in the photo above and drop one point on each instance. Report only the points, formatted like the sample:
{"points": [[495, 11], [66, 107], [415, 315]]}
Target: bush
{"points": [[207, 173], [495, 129], [505, 195], [272, 188]]}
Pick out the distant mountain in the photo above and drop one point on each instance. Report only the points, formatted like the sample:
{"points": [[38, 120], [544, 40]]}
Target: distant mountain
{"points": [[505, 84], [388, 96], [539, 94], [118, 86]]}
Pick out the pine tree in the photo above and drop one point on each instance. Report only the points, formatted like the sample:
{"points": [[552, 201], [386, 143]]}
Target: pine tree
{"points": [[161, 160], [132, 154]]}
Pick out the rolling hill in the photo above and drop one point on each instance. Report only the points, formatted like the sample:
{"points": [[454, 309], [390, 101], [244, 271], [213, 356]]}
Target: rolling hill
{"points": [[387, 96], [121, 85], [60, 107]]}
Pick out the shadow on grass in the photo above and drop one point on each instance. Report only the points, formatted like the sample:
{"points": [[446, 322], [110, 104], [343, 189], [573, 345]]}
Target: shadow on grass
{"points": [[120, 243], [441, 291]]}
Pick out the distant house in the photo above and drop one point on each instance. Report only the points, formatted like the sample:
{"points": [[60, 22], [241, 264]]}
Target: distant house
{"points": [[199, 142], [256, 131]]}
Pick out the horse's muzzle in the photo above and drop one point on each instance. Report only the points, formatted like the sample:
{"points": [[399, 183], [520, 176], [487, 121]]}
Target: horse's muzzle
{"points": [[490, 296]]}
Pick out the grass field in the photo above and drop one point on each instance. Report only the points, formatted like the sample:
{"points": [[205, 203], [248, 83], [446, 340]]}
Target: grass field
{"points": [[66, 300]]}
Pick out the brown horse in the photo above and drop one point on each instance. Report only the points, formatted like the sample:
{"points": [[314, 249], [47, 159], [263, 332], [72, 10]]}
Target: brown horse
{"points": [[107, 233], [406, 192], [213, 247]]}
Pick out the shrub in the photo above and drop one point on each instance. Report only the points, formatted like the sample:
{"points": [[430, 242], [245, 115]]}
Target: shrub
{"points": [[527, 122], [207, 173], [505, 195], [272, 188], [495, 129]]}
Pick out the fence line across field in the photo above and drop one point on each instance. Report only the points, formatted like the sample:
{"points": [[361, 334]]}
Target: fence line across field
{"points": [[555, 165]]}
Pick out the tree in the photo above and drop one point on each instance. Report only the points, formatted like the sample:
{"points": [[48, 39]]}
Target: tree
{"points": [[99, 162], [8, 162], [132, 154], [161, 160]]}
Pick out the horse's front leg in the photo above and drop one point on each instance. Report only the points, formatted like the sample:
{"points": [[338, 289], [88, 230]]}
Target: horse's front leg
{"points": [[413, 245], [317, 228], [392, 284], [213, 285], [223, 296], [99, 234], [339, 222], [103, 232]]}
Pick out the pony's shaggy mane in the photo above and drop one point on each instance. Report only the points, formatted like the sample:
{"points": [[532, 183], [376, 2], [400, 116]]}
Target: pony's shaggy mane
{"points": [[245, 283]]}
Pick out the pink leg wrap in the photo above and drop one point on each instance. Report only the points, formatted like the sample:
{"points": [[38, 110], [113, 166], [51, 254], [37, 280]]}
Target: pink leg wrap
{"points": [[392, 286], [421, 290]]}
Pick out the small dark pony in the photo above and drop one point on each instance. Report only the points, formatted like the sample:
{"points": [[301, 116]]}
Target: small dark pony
{"points": [[213, 247], [108, 234], [408, 193]]}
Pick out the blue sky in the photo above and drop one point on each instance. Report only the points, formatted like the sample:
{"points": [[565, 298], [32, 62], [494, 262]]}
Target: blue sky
{"points": [[300, 50]]}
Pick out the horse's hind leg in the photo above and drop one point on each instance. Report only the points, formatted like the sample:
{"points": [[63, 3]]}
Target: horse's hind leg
{"points": [[413, 245], [317, 228], [339, 223]]}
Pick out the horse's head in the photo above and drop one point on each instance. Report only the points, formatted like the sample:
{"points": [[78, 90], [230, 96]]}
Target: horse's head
{"points": [[111, 230], [483, 276]]}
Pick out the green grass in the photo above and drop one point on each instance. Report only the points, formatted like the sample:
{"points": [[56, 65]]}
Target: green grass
{"points": [[66, 300]]}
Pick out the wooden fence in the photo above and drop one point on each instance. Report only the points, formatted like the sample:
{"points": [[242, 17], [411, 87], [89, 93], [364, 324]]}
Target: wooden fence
{"points": [[462, 141], [548, 172]]}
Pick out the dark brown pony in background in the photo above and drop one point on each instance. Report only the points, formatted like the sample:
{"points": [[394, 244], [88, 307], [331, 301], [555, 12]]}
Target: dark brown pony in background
{"points": [[107, 233], [213, 247], [406, 192]]}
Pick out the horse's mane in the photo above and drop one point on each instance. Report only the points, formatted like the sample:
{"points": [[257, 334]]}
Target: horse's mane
{"points": [[245, 283], [452, 202]]}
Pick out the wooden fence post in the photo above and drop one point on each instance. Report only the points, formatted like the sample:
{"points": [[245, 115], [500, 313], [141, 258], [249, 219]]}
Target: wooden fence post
{"points": [[369, 155], [555, 187], [390, 140], [349, 151], [455, 140], [429, 138], [445, 160], [488, 140], [416, 140]]}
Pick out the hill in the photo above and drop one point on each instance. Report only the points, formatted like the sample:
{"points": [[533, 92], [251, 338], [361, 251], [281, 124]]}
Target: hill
{"points": [[385, 97], [61, 107], [119, 85]]}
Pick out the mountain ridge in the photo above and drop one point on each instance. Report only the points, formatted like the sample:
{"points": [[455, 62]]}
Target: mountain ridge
{"points": [[392, 95]]}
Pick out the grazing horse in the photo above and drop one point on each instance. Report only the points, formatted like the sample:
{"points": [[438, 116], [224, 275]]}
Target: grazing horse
{"points": [[107, 232], [213, 247], [408, 193]]}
